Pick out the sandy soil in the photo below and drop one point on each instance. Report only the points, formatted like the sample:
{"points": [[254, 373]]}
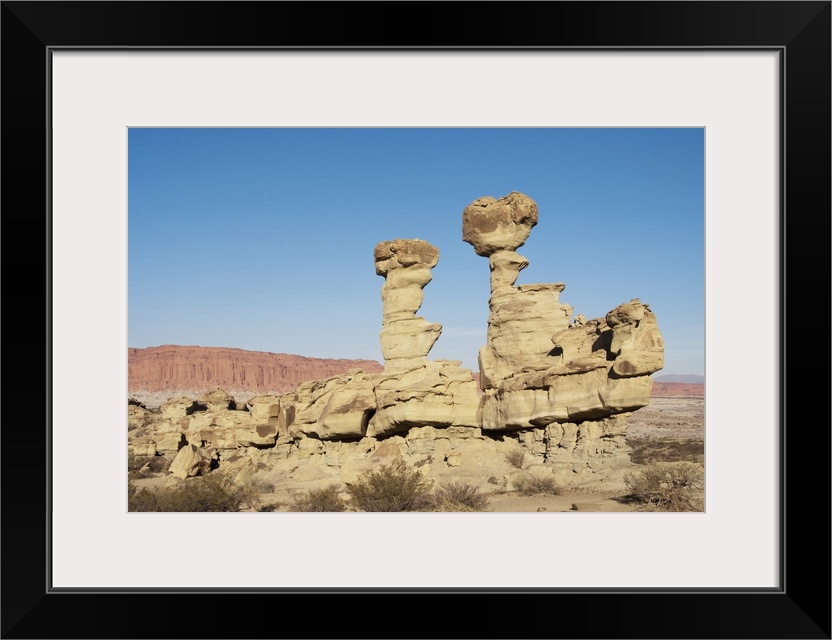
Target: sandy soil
{"points": [[669, 419], [572, 502]]}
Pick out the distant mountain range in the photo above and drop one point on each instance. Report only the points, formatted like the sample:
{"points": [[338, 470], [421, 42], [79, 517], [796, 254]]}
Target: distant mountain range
{"points": [[689, 378]]}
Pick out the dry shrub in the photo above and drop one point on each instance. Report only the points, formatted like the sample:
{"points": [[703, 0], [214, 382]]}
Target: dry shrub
{"points": [[134, 462], [392, 489], [668, 486], [261, 484], [516, 458], [648, 451], [459, 496], [326, 499], [213, 492], [157, 464], [530, 485]]}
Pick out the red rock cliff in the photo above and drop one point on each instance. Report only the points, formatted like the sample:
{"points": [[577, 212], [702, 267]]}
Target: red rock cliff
{"points": [[170, 367]]}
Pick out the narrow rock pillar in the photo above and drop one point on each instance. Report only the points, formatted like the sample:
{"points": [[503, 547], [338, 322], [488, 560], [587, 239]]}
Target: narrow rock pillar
{"points": [[406, 338]]}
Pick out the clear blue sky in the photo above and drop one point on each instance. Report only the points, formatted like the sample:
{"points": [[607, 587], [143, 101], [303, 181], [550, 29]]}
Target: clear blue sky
{"points": [[262, 239]]}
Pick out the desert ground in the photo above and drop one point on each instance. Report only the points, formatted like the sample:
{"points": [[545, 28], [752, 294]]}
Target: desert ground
{"points": [[669, 429]]}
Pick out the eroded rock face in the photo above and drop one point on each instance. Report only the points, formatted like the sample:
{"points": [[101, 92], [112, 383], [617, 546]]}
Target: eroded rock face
{"points": [[492, 225], [406, 338], [573, 447], [178, 408], [538, 369], [581, 379], [216, 400], [437, 393], [137, 417], [264, 408], [522, 319], [339, 407], [414, 391], [520, 328], [191, 461]]}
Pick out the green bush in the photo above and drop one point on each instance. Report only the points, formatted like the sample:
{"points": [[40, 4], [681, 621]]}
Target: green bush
{"points": [[391, 489], [668, 486], [327, 499], [530, 485], [213, 492], [459, 496]]}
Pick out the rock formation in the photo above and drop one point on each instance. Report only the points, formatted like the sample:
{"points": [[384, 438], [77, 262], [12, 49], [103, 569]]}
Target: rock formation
{"points": [[538, 369], [522, 319], [405, 337], [337, 408], [559, 388], [191, 461], [412, 390]]}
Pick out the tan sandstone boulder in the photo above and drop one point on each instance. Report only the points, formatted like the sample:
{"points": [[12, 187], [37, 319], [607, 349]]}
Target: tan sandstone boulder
{"points": [[217, 400], [191, 461], [438, 393], [492, 225], [138, 417], [177, 408], [264, 407], [336, 408]]}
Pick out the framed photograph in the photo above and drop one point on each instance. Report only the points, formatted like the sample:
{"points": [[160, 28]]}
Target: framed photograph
{"points": [[753, 77]]}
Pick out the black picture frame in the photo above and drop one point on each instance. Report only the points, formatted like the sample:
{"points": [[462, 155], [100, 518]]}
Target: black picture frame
{"points": [[799, 31]]}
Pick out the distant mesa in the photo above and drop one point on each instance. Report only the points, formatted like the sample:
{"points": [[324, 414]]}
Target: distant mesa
{"points": [[679, 386], [160, 372], [677, 390], [689, 378]]}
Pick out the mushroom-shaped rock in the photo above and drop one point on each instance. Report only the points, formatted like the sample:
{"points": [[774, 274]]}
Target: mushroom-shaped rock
{"points": [[492, 225], [405, 265], [406, 338], [404, 253]]}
